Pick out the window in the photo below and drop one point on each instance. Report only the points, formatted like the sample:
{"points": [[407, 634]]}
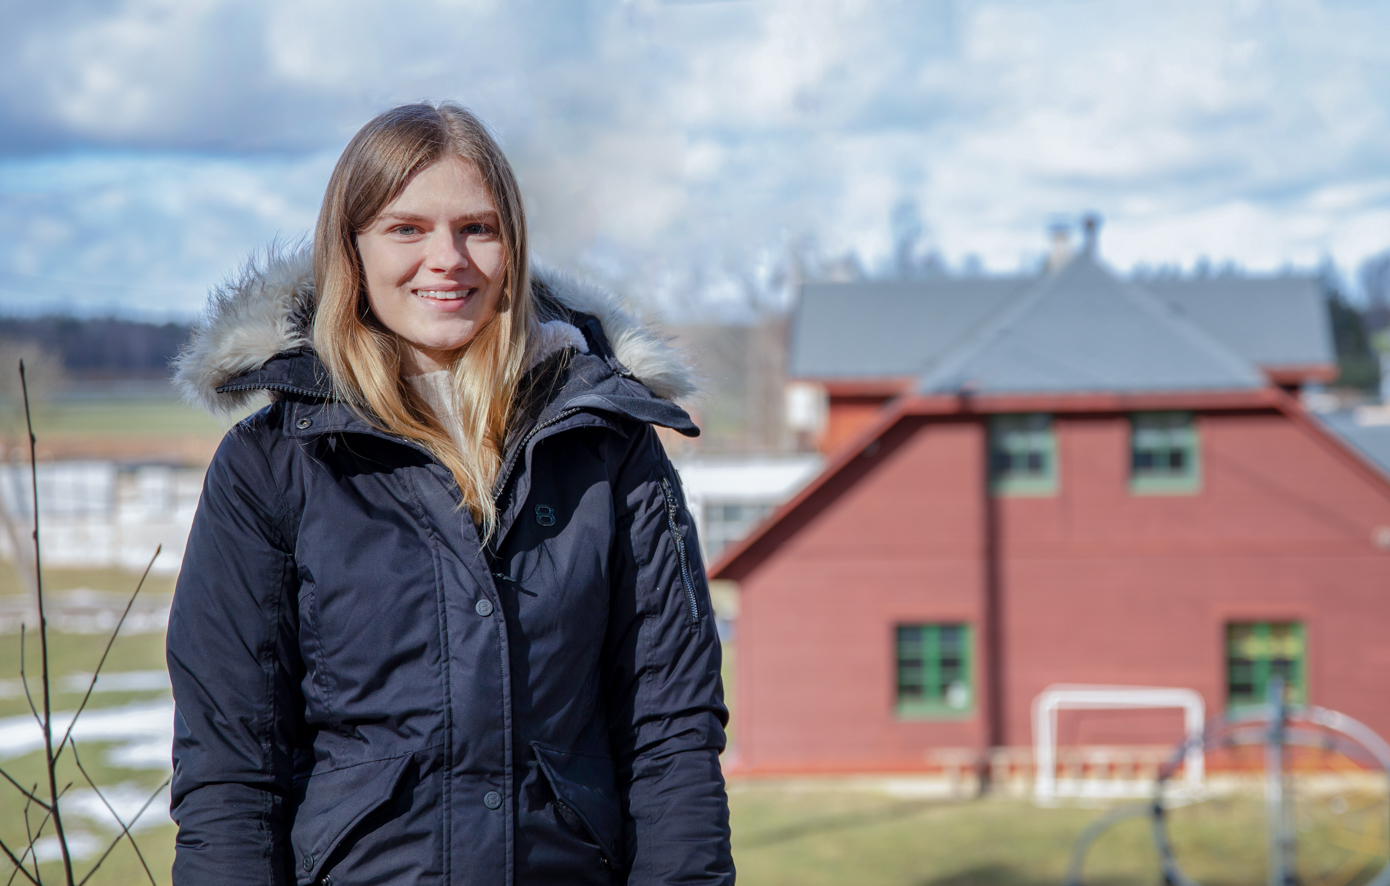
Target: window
{"points": [[1165, 457], [1257, 652], [934, 670], [1023, 455], [728, 522]]}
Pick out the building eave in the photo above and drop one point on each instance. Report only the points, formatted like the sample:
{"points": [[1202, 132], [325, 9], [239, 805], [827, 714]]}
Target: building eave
{"points": [[1338, 446], [949, 404], [1322, 373], [735, 561], [884, 386], [727, 566]]}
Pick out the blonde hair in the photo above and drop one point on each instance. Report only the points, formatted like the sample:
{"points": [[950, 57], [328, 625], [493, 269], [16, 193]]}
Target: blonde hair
{"points": [[363, 356]]}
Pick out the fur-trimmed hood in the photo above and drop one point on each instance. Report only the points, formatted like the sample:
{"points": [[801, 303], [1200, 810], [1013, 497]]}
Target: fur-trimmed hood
{"points": [[265, 310]]}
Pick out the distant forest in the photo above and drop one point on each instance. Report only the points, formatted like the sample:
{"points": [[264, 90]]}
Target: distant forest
{"points": [[110, 348], [101, 347]]}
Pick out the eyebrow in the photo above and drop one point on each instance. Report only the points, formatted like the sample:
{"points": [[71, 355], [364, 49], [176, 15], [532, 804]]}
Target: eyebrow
{"points": [[412, 217]]}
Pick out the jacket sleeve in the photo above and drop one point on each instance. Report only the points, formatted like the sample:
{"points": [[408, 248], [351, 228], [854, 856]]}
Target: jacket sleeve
{"points": [[233, 663], [665, 696]]}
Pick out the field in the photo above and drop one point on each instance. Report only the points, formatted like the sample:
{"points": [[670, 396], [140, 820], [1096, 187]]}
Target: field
{"points": [[145, 428], [786, 832]]}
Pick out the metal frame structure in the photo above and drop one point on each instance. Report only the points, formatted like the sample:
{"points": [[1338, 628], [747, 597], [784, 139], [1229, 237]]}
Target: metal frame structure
{"points": [[1276, 726], [1048, 788]]}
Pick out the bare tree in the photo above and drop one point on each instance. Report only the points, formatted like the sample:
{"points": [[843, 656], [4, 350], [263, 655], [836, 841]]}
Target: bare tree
{"points": [[47, 801]]}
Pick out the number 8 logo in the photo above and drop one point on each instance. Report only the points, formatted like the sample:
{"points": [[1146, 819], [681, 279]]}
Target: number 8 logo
{"points": [[545, 515]]}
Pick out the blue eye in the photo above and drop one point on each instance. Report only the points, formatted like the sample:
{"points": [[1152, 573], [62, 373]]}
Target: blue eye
{"points": [[476, 228], [407, 230]]}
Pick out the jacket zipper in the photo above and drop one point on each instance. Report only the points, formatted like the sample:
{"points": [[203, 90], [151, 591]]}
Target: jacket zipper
{"points": [[271, 386], [672, 511], [603, 856], [520, 450]]}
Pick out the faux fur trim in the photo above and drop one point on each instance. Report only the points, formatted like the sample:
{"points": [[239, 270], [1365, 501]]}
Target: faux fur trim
{"points": [[647, 354], [553, 336], [265, 309], [255, 314]]}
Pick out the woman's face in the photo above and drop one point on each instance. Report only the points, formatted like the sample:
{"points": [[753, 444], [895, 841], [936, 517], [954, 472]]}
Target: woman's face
{"points": [[433, 261]]}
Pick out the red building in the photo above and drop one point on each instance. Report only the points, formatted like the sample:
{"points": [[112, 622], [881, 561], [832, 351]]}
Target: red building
{"points": [[1066, 479]]}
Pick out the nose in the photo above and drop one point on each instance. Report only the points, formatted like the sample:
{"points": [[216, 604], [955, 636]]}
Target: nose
{"points": [[446, 252]]}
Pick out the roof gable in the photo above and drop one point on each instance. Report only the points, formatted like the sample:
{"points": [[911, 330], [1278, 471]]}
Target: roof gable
{"points": [[1082, 330], [889, 329]]}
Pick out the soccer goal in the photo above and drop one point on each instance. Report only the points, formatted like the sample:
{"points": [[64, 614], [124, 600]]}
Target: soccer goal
{"points": [[1102, 782]]}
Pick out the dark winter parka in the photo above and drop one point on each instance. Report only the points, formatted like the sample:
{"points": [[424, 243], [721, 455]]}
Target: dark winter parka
{"points": [[367, 695]]}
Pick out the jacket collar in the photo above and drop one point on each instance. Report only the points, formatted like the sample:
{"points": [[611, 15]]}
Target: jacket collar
{"points": [[255, 337]]}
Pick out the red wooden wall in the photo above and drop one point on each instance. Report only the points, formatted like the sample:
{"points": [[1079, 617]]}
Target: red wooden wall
{"points": [[1098, 585]]}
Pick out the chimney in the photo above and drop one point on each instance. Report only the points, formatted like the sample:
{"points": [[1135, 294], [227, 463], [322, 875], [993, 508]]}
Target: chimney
{"points": [[1090, 233], [1059, 235]]}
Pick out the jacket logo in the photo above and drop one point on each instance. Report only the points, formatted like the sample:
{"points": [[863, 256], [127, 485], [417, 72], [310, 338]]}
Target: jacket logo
{"points": [[545, 515]]}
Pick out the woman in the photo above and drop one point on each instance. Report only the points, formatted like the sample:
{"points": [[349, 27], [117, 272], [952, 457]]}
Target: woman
{"points": [[441, 617]]}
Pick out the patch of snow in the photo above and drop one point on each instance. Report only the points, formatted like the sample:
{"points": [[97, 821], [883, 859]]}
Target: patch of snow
{"points": [[142, 731]]}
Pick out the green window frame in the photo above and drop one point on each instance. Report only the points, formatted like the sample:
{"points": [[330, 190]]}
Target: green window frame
{"points": [[1165, 453], [1023, 454], [935, 670], [1257, 652]]}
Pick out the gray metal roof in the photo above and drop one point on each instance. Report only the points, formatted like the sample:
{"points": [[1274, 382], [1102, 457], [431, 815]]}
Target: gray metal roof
{"points": [[881, 329], [1371, 440], [1272, 321], [1083, 330], [886, 330]]}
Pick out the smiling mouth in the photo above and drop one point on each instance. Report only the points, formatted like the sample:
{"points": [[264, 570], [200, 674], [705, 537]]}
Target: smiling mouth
{"points": [[445, 294]]}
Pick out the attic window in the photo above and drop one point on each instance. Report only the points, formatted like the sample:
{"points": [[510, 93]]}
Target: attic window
{"points": [[1165, 455], [1023, 455]]}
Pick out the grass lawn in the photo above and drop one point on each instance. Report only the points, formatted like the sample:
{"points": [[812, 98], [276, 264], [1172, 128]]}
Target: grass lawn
{"points": [[55, 581], [124, 415], [822, 835], [125, 428], [785, 833]]}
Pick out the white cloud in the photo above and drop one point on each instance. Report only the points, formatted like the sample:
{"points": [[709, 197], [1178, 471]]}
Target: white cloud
{"points": [[660, 138]]}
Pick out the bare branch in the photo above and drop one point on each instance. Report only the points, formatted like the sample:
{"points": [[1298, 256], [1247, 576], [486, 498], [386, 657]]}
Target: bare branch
{"points": [[156, 793], [47, 723], [107, 651], [23, 678], [23, 790], [34, 838], [18, 865], [111, 809], [32, 846]]}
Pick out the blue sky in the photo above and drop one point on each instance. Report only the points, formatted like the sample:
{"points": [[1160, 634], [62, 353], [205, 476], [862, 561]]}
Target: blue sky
{"points": [[681, 150]]}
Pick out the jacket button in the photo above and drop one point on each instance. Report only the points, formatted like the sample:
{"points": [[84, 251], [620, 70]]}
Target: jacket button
{"points": [[308, 862], [304, 423], [492, 799], [483, 607]]}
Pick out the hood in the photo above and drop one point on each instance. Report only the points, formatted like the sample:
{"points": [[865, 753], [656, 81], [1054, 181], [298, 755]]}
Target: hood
{"points": [[266, 310]]}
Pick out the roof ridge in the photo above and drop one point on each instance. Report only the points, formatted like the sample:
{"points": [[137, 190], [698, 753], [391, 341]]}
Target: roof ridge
{"points": [[989, 331], [948, 374]]}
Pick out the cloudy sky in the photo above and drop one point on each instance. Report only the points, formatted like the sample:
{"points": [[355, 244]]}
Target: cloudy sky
{"points": [[675, 148]]}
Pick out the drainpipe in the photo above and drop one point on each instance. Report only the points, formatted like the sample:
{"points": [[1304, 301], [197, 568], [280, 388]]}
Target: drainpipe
{"points": [[990, 649]]}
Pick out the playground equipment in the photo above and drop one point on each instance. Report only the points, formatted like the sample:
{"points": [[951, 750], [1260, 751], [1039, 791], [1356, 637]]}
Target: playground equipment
{"points": [[1281, 731], [1047, 788]]}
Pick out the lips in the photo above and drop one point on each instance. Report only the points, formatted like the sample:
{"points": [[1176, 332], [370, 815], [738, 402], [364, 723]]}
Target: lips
{"points": [[444, 294]]}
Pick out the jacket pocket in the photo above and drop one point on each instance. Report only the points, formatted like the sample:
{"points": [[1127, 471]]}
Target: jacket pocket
{"points": [[683, 558], [332, 804], [585, 798]]}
